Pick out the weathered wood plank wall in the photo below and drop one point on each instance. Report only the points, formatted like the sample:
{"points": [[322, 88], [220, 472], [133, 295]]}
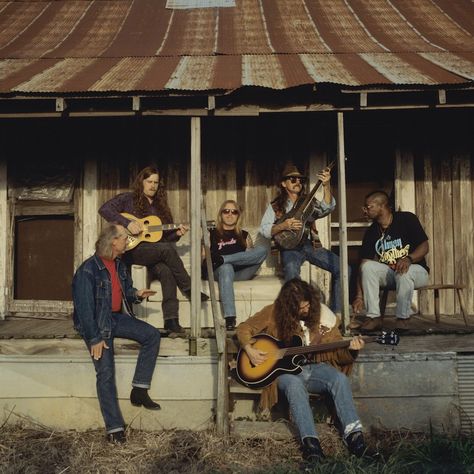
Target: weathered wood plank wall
{"points": [[444, 203]]}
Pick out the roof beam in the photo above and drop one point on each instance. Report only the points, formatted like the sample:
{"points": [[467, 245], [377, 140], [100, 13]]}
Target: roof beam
{"points": [[136, 103], [61, 104], [442, 96]]}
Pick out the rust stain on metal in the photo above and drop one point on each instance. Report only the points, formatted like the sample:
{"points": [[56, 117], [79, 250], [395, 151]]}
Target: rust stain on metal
{"points": [[193, 73], [133, 45]]}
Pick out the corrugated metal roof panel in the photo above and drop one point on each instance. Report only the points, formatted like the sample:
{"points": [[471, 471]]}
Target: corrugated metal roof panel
{"points": [[129, 45], [327, 68], [242, 30], [433, 23], [193, 73], [460, 64], [263, 71]]}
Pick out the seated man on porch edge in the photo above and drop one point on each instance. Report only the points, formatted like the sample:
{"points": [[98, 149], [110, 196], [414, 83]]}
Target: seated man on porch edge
{"points": [[103, 295], [290, 190], [298, 311], [234, 256], [392, 256], [148, 198]]}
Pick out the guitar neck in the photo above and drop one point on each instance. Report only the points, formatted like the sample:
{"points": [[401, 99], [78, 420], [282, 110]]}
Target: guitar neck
{"points": [[309, 197], [324, 347], [159, 228]]}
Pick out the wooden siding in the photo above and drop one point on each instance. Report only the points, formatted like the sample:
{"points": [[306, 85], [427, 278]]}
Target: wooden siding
{"points": [[444, 203]]}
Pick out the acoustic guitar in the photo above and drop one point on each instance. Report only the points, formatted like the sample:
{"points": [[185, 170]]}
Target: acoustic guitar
{"points": [[302, 210], [152, 230], [288, 359]]}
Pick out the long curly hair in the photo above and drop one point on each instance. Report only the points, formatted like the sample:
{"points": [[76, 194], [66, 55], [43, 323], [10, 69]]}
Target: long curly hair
{"points": [[160, 201], [220, 222], [287, 306]]}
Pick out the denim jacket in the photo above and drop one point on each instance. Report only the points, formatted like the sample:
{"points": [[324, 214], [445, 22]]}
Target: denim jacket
{"points": [[92, 296]]}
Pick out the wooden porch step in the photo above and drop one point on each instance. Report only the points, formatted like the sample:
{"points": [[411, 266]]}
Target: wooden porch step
{"points": [[237, 389]]}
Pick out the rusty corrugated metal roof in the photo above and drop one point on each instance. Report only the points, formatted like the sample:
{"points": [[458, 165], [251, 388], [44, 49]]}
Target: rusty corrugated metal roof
{"points": [[140, 45]]}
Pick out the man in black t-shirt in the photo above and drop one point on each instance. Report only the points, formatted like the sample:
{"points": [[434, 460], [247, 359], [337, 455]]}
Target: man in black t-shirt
{"points": [[393, 255], [234, 257]]}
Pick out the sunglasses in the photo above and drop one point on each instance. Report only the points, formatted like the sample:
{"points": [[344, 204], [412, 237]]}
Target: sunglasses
{"points": [[367, 208], [234, 212], [295, 179]]}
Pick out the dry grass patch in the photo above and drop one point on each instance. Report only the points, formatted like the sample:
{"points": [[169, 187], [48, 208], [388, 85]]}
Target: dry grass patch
{"points": [[28, 450], [39, 450]]}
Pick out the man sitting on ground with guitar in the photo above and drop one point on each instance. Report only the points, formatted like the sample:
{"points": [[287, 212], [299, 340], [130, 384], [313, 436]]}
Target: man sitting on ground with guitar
{"points": [[298, 311], [291, 194], [148, 198]]}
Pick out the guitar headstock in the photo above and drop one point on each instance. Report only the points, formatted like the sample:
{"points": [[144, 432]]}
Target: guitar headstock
{"points": [[388, 338]]}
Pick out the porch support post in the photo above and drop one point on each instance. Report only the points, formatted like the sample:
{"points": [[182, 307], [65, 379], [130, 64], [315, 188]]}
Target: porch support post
{"points": [[90, 204], [3, 238], [195, 227], [341, 198]]}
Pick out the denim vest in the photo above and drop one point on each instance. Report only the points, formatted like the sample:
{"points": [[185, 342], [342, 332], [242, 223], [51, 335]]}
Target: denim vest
{"points": [[92, 296]]}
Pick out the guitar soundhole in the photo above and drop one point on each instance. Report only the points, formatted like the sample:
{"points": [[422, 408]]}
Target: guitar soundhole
{"points": [[147, 236], [146, 222]]}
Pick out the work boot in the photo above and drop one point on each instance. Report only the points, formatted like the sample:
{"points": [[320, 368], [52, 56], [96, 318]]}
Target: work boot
{"points": [[312, 451], [402, 324], [371, 324], [356, 444], [139, 397], [172, 326], [117, 437]]}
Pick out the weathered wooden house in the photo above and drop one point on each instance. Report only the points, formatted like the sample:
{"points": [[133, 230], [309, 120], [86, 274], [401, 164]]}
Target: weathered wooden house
{"points": [[220, 94]]}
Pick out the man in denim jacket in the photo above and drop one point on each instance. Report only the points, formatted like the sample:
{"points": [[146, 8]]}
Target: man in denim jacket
{"points": [[103, 295]]}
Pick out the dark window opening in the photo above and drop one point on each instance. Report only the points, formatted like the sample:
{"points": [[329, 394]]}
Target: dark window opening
{"points": [[44, 257]]}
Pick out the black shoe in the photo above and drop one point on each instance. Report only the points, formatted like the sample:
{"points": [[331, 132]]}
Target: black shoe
{"points": [[312, 451], [356, 444], [172, 326], [118, 437], [230, 323], [139, 397], [187, 293]]}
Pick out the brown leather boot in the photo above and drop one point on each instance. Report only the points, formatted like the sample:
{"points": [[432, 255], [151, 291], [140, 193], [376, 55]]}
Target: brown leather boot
{"points": [[372, 324]]}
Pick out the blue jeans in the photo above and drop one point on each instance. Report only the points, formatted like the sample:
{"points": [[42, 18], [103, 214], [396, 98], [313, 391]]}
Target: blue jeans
{"points": [[127, 327], [237, 267], [321, 257], [162, 259], [375, 275], [324, 379]]}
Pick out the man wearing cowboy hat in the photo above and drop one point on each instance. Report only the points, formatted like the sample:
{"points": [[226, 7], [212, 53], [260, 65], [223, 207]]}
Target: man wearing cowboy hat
{"points": [[291, 187]]}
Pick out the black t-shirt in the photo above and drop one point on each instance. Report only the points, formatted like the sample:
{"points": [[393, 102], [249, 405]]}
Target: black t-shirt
{"points": [[228, 242], [401, 237]]}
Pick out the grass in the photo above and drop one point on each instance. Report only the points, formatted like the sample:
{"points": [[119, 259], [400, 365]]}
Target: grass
{"points": [[29, 450]]}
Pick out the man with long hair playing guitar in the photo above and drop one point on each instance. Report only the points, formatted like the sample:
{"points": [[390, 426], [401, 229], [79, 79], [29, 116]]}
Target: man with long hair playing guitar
{"points": [[148, 198], [278, 219], [298, 311]]}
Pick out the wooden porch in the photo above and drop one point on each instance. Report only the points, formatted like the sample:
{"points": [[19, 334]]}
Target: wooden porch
{"points": [[44, 363], [447, 330]]}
